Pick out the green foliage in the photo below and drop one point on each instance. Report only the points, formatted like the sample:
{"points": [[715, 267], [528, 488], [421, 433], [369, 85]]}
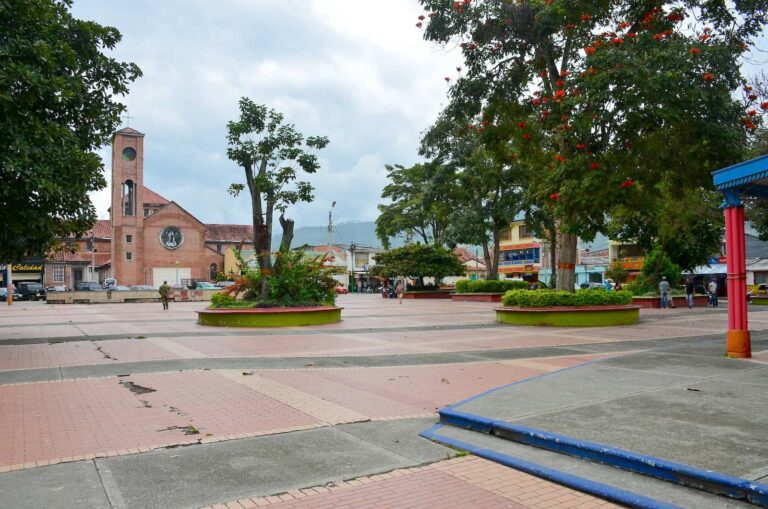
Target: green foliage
{"points": [[461, 285], [547, 298], [493, 286], [57, 107], [223, 300], [641, 286], [657, 264], [302, 281], [616, 272], [271, 154], [416, 209], [418, 261]]}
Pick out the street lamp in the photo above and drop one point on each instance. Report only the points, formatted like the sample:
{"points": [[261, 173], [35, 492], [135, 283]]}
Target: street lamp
{"points": [[330, 226], [177, 272]]}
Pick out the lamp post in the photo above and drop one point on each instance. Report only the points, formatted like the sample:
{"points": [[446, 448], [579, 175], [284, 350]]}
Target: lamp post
{"points": [[352, 247], [330, 227], [177, 272]]}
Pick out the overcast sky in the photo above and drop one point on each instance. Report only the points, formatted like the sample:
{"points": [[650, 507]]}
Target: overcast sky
{"points": [[355, 71]]}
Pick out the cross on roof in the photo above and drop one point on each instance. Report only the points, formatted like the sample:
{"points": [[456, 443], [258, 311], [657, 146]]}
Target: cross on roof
{"points": [[128, 118]]}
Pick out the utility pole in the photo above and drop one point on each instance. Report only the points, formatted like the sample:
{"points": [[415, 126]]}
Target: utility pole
{"points": [[9, 282], [352, 283], [330, 227]]}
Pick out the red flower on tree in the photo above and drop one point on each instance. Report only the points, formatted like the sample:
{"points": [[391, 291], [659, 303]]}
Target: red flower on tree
{"points": [[560, 158], [703, 37], [675, 17], [764, 106], [580, 146], [559, 95], [418, 25], [751, 113], [594, 166], [521, 125], [694, 51], [526, 136], [627, 183], [617, 41], [589, 50], [708, 76], [560, 83], [624, 25], [554, 196], [586, 17]]}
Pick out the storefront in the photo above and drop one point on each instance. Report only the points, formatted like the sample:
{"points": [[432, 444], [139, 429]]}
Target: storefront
{"points": [[30, 270]]}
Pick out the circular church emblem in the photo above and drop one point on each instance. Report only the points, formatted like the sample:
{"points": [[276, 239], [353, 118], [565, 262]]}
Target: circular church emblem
{"points": [[171, 237]]}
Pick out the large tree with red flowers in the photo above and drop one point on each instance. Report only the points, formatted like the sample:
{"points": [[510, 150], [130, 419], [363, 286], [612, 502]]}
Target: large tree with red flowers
{"points": [[621, 109]]}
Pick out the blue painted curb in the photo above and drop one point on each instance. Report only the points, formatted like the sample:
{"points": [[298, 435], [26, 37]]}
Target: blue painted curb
{"points": [[686, 475], [597, 489]]}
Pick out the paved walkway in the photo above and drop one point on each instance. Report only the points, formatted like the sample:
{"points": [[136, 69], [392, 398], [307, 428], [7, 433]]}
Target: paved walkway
{"points": [[86, 387]]}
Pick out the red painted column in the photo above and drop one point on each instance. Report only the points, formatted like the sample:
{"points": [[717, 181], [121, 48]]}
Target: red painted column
{"points": [[738, 342]]}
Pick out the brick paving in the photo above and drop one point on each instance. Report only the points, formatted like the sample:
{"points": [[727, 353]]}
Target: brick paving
{"points": [[458, 483]]}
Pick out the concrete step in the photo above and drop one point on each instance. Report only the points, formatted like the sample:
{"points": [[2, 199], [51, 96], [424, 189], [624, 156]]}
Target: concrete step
{"points": [[620, 486]]}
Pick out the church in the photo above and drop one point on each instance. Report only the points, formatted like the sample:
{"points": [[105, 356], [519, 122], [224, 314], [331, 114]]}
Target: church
{"points": [[148, 239]]}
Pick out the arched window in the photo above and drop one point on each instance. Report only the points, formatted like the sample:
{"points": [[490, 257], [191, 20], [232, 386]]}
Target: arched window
{"points": [[213, 272], [128, 199]]}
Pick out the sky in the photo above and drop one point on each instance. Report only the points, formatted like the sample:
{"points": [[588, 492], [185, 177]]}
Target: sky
{"points": [[356, 71]]}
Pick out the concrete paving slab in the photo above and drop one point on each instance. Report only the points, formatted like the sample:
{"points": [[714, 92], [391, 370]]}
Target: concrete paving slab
{"points": [[686, 365], [401, 437], [29, 375], [570, 388], [622, 479], [206, 474], [64, 486], [752, 377], [712, 425]]}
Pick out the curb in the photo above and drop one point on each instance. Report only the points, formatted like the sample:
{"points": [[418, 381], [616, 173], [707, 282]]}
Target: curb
{"points": [[597, 489], [685, 475]]}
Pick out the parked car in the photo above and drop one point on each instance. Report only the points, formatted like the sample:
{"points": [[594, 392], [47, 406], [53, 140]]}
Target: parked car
{"points": [[88, 286], [225, 284], [121, 288], [110, 283], [31, 291], [4, 294], [143, 287], [760, 289], [204, 285]]}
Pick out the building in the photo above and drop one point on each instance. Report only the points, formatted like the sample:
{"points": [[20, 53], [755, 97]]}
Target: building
{"points": [[520, 253], [148, 238]]}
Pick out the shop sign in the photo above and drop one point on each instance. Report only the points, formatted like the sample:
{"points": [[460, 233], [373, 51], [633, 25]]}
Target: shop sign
{"points": [[22, 267]]}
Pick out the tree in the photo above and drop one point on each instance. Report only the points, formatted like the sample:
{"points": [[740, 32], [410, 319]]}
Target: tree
{"points": [[616, 272], [616, 104], [657, 265], [271, 153], [486, 179], [56, 108], [417, 209], [418, 261]]}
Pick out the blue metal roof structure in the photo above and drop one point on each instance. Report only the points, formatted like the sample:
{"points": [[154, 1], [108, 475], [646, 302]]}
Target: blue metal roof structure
{"points": [[747, 178]]}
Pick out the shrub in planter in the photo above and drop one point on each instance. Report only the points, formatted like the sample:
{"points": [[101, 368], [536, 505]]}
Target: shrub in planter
{"points": [[548, 298], [461, 285], [494, 286]]}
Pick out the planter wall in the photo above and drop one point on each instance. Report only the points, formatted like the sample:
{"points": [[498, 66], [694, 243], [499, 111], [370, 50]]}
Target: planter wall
{"points": [[760, 301], [426, 295], [570, 316], [269, 317], [677, 301], [127, 296], [478, 297]]}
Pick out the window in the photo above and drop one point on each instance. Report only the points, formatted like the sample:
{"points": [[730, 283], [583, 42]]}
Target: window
{"points": [[128, 239], [128, 200], [505, 234], [361, 259], [213, 272], [522, 231], [218, 248], [89, 245], [147, 212], [129, 256], [58, 273]]}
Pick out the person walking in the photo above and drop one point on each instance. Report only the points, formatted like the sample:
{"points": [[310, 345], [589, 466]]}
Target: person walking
{"points": [[165, 294], [400, 290], [689, 292], [664, 290], [712, 289]]}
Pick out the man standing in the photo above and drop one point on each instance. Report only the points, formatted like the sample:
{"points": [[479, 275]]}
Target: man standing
{"points": [[689, 292], [712, 289], [165, 294], [400, 290], [664, 290]]}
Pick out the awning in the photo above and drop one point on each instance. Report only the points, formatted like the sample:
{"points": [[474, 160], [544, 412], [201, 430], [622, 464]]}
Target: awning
{"points": [[717, 268]]}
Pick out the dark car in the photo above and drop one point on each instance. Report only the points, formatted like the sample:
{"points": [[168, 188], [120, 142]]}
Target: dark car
{"points": [[4, 294], [31, 291], [88, 287]]}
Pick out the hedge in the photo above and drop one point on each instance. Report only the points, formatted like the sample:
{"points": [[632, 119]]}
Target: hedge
{"points": [[488, 286], [547, 298]]}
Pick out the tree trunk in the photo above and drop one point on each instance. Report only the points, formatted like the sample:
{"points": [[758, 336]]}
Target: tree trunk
{"points": [[496, 246], [566, 266], [285, 241], [488, 262], [553, 256]]}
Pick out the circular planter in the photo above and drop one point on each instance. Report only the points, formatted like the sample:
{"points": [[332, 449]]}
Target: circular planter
{"points": [[415, 294], [570, 316], [478, 297], [677, 301], [269, 317]]}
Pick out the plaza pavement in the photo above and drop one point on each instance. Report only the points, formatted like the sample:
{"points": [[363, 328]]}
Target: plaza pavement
{"points": [[127, 405]]}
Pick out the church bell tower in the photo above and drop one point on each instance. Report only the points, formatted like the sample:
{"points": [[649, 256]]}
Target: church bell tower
{"points": [[127, 212]]}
